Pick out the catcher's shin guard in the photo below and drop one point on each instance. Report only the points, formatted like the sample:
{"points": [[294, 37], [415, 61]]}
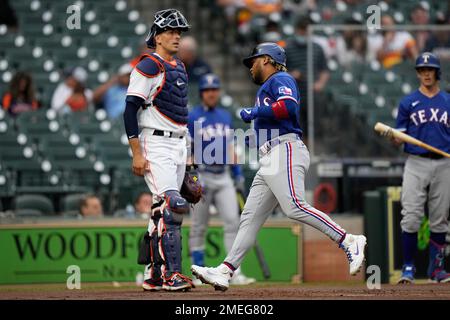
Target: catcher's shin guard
{"points": [[157, 261], [170, 231]]}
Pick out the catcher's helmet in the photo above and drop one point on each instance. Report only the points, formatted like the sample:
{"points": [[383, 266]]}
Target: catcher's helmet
{"points": [[209, 81], [429, 60], [271, 49], [164, 20]]}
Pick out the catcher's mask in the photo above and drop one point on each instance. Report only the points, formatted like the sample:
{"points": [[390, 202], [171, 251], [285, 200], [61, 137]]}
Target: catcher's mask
{"points": [[164, 20]]}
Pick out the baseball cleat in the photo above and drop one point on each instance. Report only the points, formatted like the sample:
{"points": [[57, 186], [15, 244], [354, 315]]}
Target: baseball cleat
{"points": [[353, 247], [217, 277], [152, 284], [239, 278], [197, 282], [407, 277], [177, 282], [242, 280], [440, 276]]}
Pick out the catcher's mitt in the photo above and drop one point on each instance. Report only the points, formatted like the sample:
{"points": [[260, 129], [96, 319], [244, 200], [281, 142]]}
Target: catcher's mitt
{"points": [[191, 189]]}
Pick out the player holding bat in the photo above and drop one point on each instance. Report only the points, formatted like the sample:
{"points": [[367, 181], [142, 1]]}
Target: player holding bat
{"points": [[425, 115]]}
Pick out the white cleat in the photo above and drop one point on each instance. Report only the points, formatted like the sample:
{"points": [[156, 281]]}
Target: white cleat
{"points": [[218, 277], [241, 280], [353, 247], [197, 282]]}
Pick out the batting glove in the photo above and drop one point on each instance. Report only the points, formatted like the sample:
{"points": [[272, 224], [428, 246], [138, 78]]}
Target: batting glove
{"points": [[387, 133], [248, 114]]}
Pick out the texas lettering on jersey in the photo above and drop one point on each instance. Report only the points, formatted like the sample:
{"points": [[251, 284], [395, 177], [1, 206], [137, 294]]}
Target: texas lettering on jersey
{"points": [[430, 115], [426, 119]]}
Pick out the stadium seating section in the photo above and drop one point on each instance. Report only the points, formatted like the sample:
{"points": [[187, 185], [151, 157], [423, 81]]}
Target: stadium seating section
{"points": [[64, 156]]}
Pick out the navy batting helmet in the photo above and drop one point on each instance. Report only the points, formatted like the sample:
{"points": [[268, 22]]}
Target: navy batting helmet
{"points": [[164, 20], [209, 81], [429, 60], [271, 49]]}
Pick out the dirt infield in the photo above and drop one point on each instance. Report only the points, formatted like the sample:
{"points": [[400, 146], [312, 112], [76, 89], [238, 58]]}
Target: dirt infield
{"points": [[259, 291]]}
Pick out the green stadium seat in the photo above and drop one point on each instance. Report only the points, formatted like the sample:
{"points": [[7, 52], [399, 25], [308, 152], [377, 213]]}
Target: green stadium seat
{"points": [[49, 43], [21, 6], [126, 186], [13, 158], [85, 123], [8, 140], [7, 182], [27, 202], [373, 79], [27, 213], [70, 204], [38, 129], [66, 158], [14, 54]]}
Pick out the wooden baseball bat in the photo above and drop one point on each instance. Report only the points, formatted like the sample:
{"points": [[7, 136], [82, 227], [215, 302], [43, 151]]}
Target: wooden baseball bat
{"points": [[381, 127]]}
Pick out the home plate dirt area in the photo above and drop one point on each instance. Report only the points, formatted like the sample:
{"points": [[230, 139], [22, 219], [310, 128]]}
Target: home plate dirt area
{"points": [[260, 291]]}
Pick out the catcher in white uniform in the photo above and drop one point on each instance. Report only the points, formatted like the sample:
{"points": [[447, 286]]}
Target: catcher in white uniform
{"points": [[157, 96]]}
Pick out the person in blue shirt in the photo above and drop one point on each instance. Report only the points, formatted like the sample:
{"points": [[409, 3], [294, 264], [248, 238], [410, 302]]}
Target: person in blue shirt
{"points": [[111, 95], [209, 126], [425, 115]]}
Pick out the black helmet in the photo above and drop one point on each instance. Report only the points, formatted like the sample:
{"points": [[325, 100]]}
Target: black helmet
{"points": [[164, 20]]}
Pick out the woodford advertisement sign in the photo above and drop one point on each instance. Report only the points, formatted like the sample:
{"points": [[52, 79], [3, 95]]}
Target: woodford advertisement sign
{"points": [[107, 251]]}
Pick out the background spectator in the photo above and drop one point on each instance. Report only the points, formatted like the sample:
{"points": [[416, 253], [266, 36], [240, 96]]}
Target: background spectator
{"points": [[143, 205], [296, 53], [91, 207], [111, 95], [21, 96], [273, 34], [351, 46], [391, 47], [265, 7], [71, 95], [420, 16], [188, 53], [439, 41], [141, 208]]}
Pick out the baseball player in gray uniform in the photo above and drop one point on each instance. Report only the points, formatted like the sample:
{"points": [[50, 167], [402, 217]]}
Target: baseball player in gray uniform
{"points": [[284, 162], [209, 124], [425, 115]]}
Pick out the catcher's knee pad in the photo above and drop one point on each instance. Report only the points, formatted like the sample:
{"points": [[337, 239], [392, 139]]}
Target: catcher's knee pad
{"points": [[175, 202]]}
